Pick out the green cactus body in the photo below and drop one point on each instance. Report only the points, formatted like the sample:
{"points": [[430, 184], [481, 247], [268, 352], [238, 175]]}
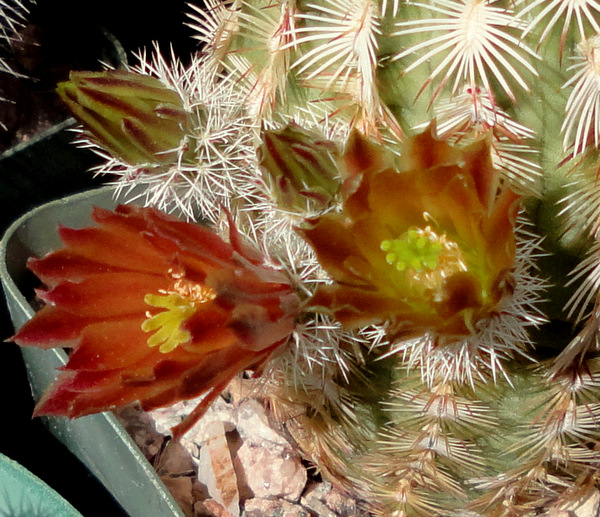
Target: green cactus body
{"points": [[500, 440], [454, 141]]}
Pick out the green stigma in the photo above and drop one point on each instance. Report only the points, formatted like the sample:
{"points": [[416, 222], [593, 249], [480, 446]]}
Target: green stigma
{"points": [[417, 249]]}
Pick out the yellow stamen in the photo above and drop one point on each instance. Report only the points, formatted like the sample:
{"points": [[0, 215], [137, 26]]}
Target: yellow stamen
{"points": [[180, 305]]}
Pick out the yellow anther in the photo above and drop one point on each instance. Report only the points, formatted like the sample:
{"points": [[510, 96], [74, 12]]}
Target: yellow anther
{"points": [[179, 307]]}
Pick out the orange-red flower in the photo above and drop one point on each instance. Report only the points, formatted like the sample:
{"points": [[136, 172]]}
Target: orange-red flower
{"points": [[426, 248], [155, 310]]}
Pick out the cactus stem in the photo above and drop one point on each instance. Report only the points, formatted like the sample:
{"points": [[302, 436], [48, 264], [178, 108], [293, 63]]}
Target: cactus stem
{"points": [[478, 41]]}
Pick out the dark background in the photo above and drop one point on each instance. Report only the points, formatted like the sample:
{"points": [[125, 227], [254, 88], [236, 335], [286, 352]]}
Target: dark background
{"points": [[57, 37]]}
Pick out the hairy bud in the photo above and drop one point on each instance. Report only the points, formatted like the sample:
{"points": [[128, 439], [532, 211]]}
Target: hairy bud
{"points": [[133, 116], [300, 167]]}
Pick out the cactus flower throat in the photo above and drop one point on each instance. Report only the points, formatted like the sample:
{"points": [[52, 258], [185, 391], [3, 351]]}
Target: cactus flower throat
{"points": [[428, 258], [167, 324], [428, 247]]}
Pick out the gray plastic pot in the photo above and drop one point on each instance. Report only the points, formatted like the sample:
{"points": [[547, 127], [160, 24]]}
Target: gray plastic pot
{"points": [[99, 441], [22, 493]]}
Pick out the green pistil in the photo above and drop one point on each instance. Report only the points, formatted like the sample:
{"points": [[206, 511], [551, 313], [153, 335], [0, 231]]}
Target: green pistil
{"points": [[417, 249]]}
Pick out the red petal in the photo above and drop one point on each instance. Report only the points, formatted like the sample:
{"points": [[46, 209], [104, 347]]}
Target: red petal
{"points": [[125, 248], [67, 388], [362, 155], [463, 206], [77, 394], [479, 164], [208, 330], [111, 345], [205, 375], [425, 150], [331, 238], [124, 218], [500, 229], [193, 238], [393, 199], [221, 365], [357, 307], [106, 295], [65, 265], [62, 400], [51, 327]]}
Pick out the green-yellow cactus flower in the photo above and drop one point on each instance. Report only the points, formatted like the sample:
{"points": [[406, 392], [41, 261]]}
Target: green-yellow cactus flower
{"points": [[428, 248]]}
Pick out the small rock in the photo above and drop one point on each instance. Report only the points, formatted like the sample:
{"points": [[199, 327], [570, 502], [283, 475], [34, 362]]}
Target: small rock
{"points": [[210, 508], [178, 472], [586, 505], [342, 504], [318, 490], [326, 501], [140, 426], [216, 470], [270, 508], [240, 389], [174, 460], [314, 499], [319, 508], [272, 471], [181, 490], [220, 411], [254, 426]]}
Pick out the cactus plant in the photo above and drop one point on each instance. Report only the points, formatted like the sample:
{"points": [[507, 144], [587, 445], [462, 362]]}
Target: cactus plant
{"points": [[12, 15], [425, 175]]}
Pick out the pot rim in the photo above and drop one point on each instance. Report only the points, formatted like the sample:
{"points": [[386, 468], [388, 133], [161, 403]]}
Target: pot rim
{"points": [[99, 441]]}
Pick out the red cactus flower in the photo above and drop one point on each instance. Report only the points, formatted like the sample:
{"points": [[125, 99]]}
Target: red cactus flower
{"points": [[156, 311], [426, 248]]}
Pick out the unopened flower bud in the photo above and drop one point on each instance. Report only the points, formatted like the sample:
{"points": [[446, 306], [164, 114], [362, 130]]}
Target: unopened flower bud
{"points": [[300, 167], [133, 116]]}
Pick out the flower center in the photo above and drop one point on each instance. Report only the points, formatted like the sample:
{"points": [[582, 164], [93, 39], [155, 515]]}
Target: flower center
{"points": [[179, 305], [425, 257]]}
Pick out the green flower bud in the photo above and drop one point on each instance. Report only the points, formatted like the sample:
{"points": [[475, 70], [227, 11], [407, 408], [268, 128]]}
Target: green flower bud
{"points": [[300, 168], [133, 116]]}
